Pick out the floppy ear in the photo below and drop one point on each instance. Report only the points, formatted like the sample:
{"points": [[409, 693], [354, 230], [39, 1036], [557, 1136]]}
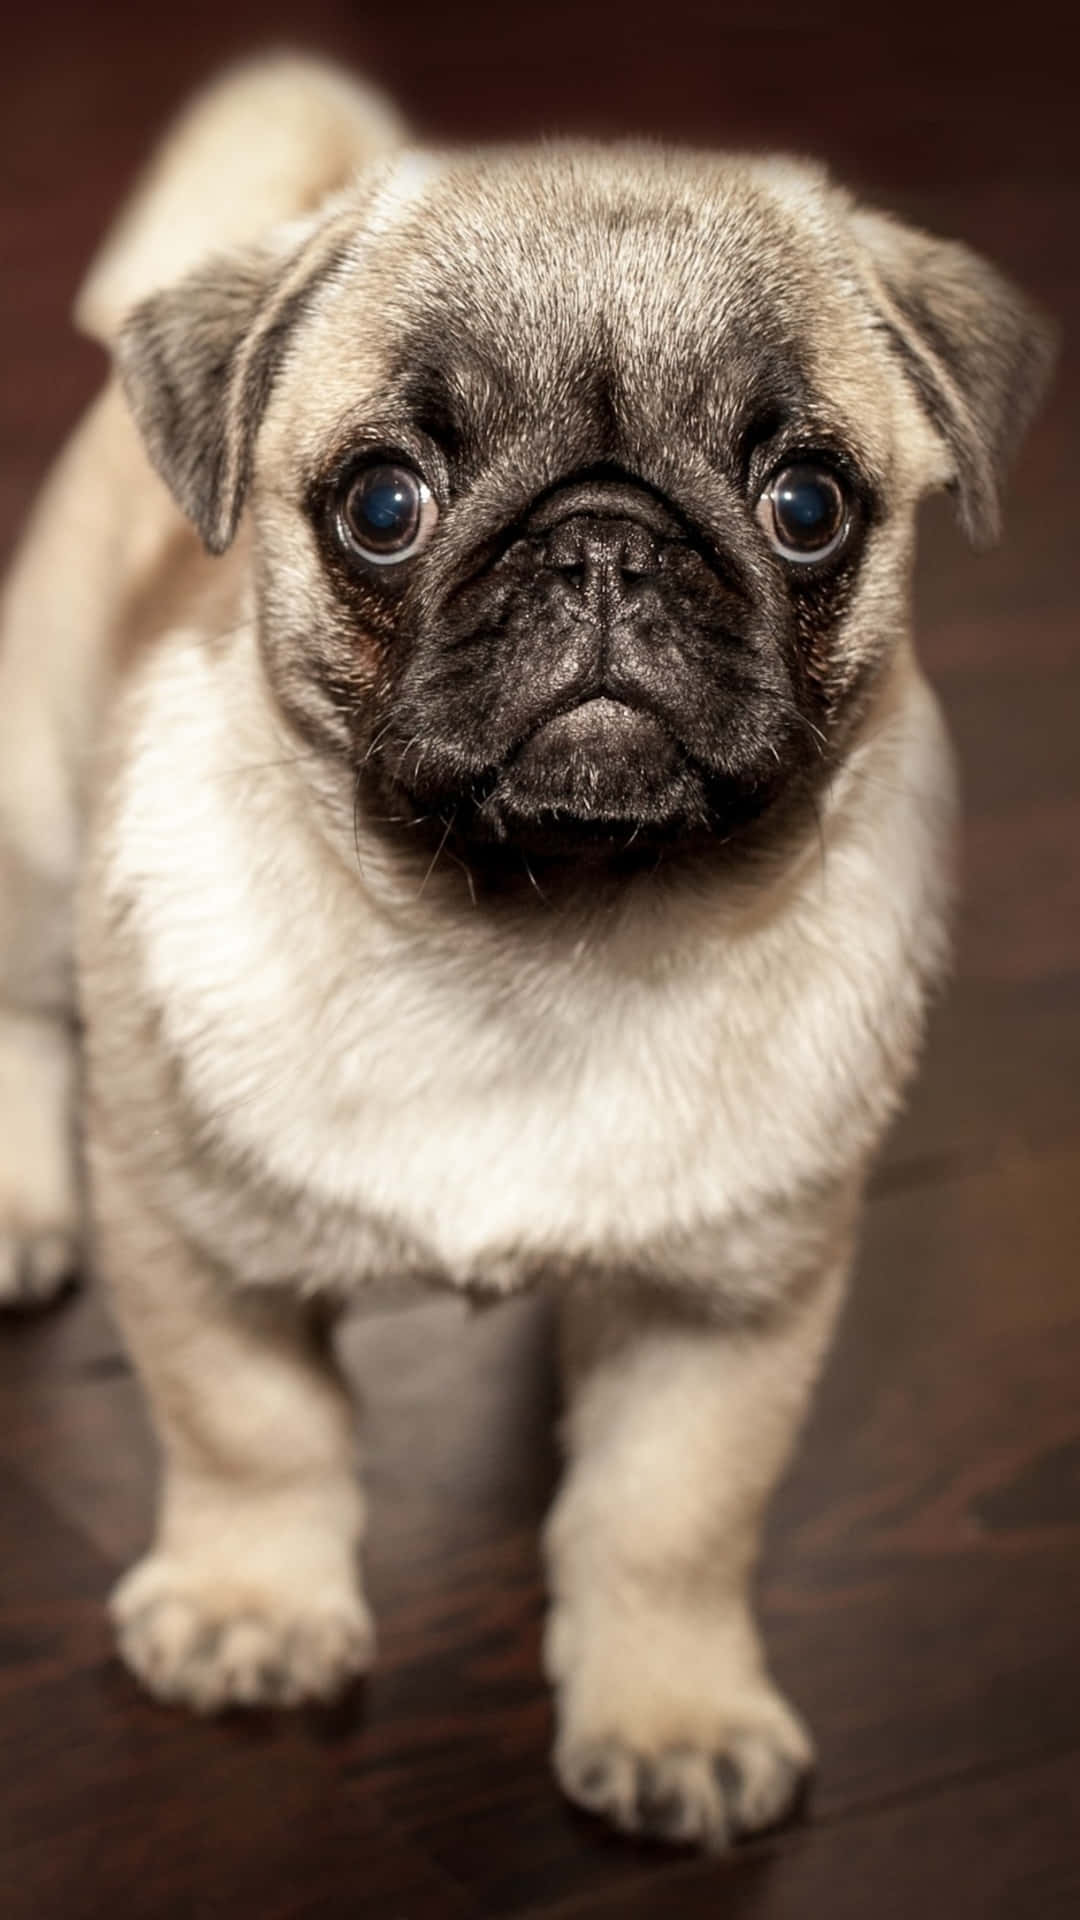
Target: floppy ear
{"points": [[977, 352], [198, 361]]}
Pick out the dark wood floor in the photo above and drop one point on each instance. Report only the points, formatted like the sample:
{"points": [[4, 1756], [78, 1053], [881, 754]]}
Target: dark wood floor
{"points": [[921, 1586]]}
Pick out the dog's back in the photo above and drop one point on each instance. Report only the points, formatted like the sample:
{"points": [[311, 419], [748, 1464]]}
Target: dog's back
{"points": [[267, 142]]}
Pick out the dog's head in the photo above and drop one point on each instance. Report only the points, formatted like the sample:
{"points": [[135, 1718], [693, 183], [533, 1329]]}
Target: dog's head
{"points": [[583, 481]]}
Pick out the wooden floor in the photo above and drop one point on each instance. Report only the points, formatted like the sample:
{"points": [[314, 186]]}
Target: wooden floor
{"points": [[921, 1586]]}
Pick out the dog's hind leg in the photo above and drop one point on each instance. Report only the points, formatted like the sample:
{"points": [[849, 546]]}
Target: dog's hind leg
{"points": [[51, 685], [102, 536]]}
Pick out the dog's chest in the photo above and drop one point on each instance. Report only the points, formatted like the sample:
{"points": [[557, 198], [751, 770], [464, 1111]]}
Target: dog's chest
{"points": [[408, 1111], [403, 1117]]}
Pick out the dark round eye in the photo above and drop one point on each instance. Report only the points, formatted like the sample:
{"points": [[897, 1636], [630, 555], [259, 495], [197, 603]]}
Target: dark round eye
{"points": [[804, 512], [387, 513]]}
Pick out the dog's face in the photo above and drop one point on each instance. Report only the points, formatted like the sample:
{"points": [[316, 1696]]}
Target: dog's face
{"points": [[584, 482]]}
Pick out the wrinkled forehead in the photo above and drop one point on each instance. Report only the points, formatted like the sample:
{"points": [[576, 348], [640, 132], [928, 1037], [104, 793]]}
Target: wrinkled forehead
{"points": [[626, 291]]}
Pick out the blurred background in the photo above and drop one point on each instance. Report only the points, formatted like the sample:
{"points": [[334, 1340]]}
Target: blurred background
{"points": [[922, 1577]]}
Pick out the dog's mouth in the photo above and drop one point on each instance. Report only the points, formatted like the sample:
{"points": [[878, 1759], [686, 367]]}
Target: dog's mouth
{"points": [[588, 779], [594, 775], [598, 756], [601, 767], [585, 781]]}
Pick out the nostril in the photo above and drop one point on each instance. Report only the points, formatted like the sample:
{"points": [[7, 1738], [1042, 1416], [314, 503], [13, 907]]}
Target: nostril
{"points": [[568, 554], [638, 558]]}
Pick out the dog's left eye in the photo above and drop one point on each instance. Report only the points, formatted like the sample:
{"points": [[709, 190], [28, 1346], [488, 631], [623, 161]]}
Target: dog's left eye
{"points": [[387, 513], [804, 511]]}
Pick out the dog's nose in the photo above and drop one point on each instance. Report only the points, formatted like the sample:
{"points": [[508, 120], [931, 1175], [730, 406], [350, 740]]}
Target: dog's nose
{"points": [[604, 560]]}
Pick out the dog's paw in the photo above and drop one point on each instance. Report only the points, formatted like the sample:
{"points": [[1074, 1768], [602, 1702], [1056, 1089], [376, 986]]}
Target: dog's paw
{"points": [[35, 1266], [706, 1797], [668, 1724], [39, 1208], [209, 1646]]}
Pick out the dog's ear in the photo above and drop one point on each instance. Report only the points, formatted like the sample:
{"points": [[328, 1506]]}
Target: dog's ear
{"points": [[978, 353], [198, 360]]}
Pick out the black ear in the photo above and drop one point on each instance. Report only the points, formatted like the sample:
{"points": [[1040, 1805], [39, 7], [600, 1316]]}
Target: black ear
{"points": [[198, 361], [978, 353]]}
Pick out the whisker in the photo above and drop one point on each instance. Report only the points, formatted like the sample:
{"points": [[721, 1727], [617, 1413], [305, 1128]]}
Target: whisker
{"points": [[396, 820], [785, 706], [467, 871], [263, 766], [378, 740], [823, 846], [535, 881], [869, 778], [358, 798], [438, 850], [405, 749]]}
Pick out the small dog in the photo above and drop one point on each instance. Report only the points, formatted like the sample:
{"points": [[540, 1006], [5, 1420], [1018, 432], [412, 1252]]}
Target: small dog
{"points": [[520, 859]]}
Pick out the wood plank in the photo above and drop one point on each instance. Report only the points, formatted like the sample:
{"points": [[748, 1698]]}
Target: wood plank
{"points": [[998, 1849], [110, 1804]]}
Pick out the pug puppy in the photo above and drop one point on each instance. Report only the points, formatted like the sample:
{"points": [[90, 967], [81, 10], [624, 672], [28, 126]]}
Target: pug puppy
{"points": [[510, 833]]}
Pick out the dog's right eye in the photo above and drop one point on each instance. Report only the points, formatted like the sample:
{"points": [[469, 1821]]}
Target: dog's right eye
{"points": [[804, 512], [386, 513]]}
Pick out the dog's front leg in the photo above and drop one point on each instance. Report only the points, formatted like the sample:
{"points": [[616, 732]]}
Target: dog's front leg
{"points": [[250, 1594], [667, 1720]]}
